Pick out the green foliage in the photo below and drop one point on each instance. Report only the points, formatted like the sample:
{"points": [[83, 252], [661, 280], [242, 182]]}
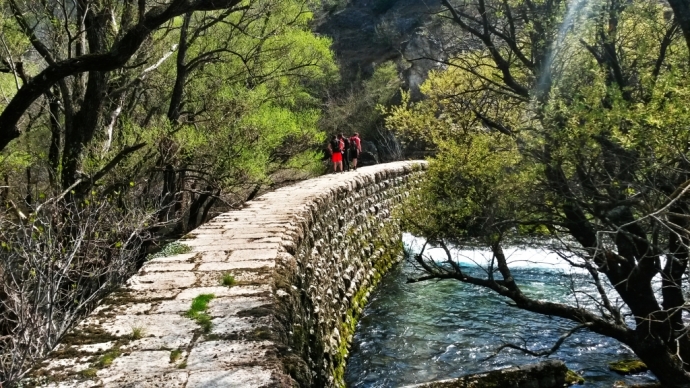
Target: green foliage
{"points": [[204, 320], [576, 142], [471, 184], [360, 107], [15, 43], [199, 304], [198, 309], [480, 177], [228, 280], [248, 117], [107, 359]]}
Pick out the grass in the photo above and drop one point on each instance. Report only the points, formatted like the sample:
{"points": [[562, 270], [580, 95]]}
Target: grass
{"points": [[137, 333], [108, 358], [228, 280], [199, 305], [198, 309], [204, 320], [175, 355]]}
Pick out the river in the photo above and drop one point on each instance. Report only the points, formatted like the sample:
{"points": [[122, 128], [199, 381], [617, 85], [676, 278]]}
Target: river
{"points": [[420, 332]]}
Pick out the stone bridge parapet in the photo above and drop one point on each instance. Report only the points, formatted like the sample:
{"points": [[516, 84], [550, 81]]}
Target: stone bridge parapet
{"points": [[289, 275]]}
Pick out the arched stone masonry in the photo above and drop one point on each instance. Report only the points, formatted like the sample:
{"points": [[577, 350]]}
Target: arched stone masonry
{"points": [[301, 262]]}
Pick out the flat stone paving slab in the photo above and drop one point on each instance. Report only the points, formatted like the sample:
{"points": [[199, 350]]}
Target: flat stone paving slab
{"points": [[170, 349], [234, 378]]}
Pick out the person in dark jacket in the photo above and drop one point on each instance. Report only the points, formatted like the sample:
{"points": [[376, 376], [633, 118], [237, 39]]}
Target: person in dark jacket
{"points": [[355, 149], [345, 151]]}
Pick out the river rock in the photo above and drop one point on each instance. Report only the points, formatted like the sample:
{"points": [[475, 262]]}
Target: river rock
{"points": [[546, 374]]}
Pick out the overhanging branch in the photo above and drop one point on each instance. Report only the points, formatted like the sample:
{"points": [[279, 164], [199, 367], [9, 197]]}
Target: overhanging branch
{"points": [[116, 57]]}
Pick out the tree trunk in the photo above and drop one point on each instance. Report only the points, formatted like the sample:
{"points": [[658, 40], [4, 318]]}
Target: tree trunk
{"points": [[681, 11], [196, 209], [167, 194], [55, 136], [81, 132], [665, 366], [181, 78]]}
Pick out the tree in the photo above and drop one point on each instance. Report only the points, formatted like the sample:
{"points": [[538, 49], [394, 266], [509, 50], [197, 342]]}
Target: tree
{"points": [[566, 126], [90, 48], [131, 124], [354, 108]]}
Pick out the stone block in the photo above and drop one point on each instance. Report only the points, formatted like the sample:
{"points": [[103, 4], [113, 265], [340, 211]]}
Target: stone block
{"points": [[248, 377], [235, 265], [161, 280], [163, 342], [168, 267], [213, 256], [158, 325], [242, 276], [143, 369], [184, 257], [230, 306], [240, 326], [222, 355], [253, 254], [221, 291]]}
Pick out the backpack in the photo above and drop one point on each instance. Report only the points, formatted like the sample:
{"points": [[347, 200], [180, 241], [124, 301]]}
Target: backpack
{"points": [[353, 144], [347, 143], [335, 145]]}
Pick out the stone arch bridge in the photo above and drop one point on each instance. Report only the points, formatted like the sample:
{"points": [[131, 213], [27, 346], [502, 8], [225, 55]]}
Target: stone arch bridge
{"points": [[289, 275]]}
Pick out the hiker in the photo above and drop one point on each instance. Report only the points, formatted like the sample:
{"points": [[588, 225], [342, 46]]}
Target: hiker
{"points": [[345, 150], [355, 149], [335, 147]]}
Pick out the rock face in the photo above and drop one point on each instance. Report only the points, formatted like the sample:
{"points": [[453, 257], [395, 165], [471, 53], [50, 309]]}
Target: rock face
{"points": [[366, 33], [303, 259]]}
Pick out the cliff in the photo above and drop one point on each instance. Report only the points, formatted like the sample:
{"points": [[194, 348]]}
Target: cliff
{"points": [[367, 33]]}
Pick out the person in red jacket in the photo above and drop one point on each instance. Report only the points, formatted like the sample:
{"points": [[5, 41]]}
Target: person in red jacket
{"points": [[335, 146], [355, 149]]}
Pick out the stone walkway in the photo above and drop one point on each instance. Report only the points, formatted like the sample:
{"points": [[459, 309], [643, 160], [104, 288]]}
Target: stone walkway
{"points": [[141, 337]]}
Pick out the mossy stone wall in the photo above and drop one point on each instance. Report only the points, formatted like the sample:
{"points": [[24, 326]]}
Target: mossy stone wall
{"points": [[349, 242]]}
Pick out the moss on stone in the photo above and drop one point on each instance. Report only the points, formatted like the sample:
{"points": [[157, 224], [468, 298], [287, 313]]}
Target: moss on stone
{"points": [[532, 375], [262, 333], [390, 255], [107, 359], [628, 366], [198, 309], [572, 378], [88, 335], [175, 355], [89, 373]]}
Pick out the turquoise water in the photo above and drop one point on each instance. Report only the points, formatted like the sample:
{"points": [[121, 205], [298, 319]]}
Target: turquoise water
{"points": [[420, 332]]}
